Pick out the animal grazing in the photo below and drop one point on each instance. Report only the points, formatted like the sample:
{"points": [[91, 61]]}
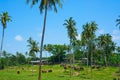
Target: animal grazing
{"points": [[44, 71], [50, 70], [18, 72]]}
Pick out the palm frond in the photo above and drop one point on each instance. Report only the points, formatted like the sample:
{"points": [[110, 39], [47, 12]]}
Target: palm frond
{"points": [[41, 7]]}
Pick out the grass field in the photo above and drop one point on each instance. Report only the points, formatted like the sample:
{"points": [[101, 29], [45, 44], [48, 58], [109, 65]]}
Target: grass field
{"points": [[58, 73]]}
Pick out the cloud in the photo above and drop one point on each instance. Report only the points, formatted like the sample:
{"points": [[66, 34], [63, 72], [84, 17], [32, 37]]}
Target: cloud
{"points": [[115, 32], [101, 31], [78, 37], [115, 37], [18, 38]]}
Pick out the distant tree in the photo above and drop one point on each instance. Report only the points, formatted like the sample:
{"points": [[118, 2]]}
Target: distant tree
{"points": [[48, 48], [57, 51], [20, 58], [33, 48], [13, 60], [107, 46], [4, 54], [118, 49], [26, 56], [4, 18]]}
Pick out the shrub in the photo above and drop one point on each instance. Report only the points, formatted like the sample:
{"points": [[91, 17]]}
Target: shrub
{"points": [[2, 64]]}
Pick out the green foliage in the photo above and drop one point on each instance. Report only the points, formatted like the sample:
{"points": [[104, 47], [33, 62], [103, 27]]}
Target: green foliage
{"points": [[51, 4], [4, 18], [58, 52], [33, 47], [70, 25], [2, 64], [20, 58]]}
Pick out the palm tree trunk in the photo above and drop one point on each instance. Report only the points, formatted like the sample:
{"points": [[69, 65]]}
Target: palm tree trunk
{"points": [[91, 51], [70, 61], [105, 59], [59, 59], [42, 41], [1, 44], [87, 59]]}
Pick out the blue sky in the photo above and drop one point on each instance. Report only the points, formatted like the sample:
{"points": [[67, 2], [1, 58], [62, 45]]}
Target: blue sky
{"points": [[27, 22]]}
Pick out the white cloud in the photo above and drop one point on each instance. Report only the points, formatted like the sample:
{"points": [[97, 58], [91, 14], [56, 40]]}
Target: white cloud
{"points": [[115, 32], [78, 37], [18, 38], [115, 37], [101, 31]]}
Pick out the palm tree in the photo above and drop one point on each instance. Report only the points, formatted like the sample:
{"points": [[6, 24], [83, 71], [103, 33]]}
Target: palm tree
{"points": [[44, 4], [70, 24], [106, 45], [101, 45], [88, 37], [118, 22], [4, 18], [33, 47]]}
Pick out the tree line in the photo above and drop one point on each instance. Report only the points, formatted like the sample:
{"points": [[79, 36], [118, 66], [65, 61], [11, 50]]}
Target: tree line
{"points": [[96, 49]]}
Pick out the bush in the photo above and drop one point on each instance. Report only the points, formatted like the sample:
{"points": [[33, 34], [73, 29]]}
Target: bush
{"points": [[1, 64]]}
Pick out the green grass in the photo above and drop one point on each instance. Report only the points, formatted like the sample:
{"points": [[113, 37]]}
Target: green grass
{"points": [[58, 73]]}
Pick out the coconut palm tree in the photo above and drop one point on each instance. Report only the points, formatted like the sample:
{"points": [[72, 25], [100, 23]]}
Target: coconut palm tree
{"points": [[70, 25], [101, 45], [4, 18], [44, 5], [88, 38], [33, 47], [108, 39], [106, 45], [118, 22], [88, 35]]}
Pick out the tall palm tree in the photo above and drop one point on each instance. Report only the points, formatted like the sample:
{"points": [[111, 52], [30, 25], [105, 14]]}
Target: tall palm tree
{"points": [[101, 45], [88, 37], [106, 45], [108, 39], [70, 25], [118, 22], [44, 5], [4, 18]]}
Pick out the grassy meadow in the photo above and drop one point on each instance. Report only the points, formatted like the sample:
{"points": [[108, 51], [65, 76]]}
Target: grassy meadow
{"points": [[31, 73]]}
